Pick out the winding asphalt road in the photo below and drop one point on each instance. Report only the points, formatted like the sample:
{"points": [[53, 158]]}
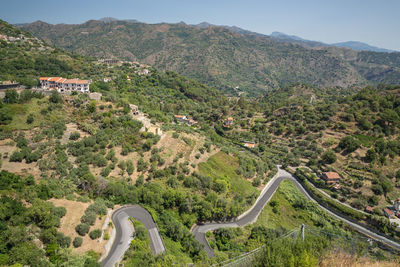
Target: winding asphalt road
{"points": [[124, 233], [124, 230], [251, 215]]}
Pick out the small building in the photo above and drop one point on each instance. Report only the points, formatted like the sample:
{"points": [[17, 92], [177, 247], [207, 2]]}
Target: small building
{"points": [[369, 209], [228, 122], [249, 144], [389, 213], [336, 187], [396, 205], [180, 118], [144, 72], [191, 122], [9, 85], [331, 177], [134, 109], [110, 61]]}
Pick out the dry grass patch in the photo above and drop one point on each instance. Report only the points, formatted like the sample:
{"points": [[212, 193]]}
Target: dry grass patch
{"points": [[72, 218], [342, 259]]}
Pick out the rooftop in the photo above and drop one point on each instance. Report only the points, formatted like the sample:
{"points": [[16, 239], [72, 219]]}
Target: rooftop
{"points": [[332, 175]]}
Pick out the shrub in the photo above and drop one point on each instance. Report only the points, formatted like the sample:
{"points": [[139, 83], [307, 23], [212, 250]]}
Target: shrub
{"points": [[82, 229], [55, 97], [74, 136], [59, 211], [77, 242], [95, 234], [63, 240], [29, 119], [329, 156], [89, 218], [175, 135], [16, 156], [106, 236]]}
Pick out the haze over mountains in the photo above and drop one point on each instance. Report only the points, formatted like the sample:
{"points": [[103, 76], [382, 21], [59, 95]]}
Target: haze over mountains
{"points": [[225, 56]]}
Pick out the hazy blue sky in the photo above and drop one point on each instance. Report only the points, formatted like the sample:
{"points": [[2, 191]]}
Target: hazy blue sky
{"points": [[376, 22]]}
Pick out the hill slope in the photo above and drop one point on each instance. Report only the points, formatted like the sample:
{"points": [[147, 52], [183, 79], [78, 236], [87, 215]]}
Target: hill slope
{"points": [[215, 55]]}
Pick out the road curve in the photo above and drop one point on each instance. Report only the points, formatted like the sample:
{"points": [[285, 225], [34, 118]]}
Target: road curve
{"points": [[251, 215], [124, 233]]}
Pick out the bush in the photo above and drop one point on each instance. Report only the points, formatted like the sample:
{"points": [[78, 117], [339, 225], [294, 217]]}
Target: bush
{"points": [[74, 136], [106, 236], [16, 157], [82, 229], [63, 240], [329, 157], [29, 119], [95, 234], [55, 97], [77, 242], [59, 211], [89, 218]]}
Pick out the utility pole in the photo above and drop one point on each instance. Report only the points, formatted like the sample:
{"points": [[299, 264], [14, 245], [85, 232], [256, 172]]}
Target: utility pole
{"points": [[302, 231]]}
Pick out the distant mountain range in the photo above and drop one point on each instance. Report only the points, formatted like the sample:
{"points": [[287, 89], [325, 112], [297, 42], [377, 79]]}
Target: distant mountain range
{"points": [[358, 46], [355, 45], [224, 56]]}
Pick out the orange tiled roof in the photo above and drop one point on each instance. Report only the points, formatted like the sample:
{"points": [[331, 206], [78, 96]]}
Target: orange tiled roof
{"points": [[332, 175], [230, 119], [54, 79], [388, 211], [179, 116], [44, 78], [76, 81]]}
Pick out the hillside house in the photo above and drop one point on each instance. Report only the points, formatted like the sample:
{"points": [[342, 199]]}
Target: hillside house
{"points": [[369, 209], [331, 177], [134, 109], [64, 85], [249, 144], [389, 213], [9, 85], [184, 119], [180, 118]]}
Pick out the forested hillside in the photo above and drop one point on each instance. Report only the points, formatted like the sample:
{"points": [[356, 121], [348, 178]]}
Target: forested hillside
{"points": [[221, 57]]}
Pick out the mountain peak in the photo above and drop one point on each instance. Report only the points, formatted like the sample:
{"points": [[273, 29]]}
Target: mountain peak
{"points": [[203, 24], [108, 19]]}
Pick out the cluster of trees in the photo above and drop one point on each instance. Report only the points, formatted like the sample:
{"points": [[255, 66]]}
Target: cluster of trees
{"points": [[21, 224]]}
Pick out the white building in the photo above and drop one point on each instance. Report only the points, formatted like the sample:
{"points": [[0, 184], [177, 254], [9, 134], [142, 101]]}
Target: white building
{"points": [[64, 85]]}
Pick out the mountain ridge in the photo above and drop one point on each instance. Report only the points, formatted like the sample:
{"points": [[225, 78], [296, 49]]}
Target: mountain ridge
{"points": [[222, 56]]}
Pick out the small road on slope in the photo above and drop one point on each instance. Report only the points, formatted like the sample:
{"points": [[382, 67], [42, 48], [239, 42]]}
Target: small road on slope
{"points": [[251, 215], [124, 233]]}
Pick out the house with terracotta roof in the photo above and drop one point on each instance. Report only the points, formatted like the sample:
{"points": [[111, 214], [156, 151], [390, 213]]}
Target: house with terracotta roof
{"points": [[249, 144], [389, 213], [64, 85], [369, 209], [331, 177], [180, 118]]}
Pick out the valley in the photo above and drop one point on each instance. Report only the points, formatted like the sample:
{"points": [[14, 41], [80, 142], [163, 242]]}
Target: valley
{"points": [[176, 157]]}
